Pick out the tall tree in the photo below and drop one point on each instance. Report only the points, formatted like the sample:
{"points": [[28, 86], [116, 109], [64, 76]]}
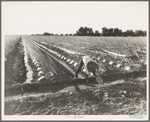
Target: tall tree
{"points": [[129, 33], [116, 32], [104, 31], [97, 33], [85, 31], [46, 34], [110, 31], [140, 33], [80, 31], [90, 32]]}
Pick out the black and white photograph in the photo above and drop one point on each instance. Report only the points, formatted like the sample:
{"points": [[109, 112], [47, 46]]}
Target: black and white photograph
{"points": [[75, 60]]}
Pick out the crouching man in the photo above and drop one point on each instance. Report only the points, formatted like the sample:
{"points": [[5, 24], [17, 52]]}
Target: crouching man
{"points": [[91, 66]]}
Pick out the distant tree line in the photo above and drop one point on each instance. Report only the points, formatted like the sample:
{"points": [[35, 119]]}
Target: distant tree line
{"points": [[86, 31], [109, 32], [51, 34], [47, 34], [118, 32]]}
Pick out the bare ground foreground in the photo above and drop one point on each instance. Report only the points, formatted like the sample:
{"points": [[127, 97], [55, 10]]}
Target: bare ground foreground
{"points": [[128, 98], [49, 87]]}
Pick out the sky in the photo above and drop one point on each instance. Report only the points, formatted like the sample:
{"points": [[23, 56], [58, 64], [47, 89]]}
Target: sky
{"points": [[67, 17]]}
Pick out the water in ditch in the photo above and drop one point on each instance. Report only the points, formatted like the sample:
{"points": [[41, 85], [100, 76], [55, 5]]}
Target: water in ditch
{"points": [[29, 73]]}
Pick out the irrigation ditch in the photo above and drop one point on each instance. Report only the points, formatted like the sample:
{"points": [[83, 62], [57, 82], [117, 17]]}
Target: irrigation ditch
{"points": [[15, 69]]}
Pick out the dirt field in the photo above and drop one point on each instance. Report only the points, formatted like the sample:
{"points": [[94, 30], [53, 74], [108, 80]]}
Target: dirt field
{"points": [[83, 44], [128, 98], [45, 67]]}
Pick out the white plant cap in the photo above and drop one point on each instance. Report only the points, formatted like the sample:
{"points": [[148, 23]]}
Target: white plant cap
{"points": [[110, 62], [42, 77], [75, 64], [145, 61], [38, 69], [68, 60], [104, 60], [84, 70], [40, 73], [51, 74], [35, 62], [127, 68], [71, 62], [91, 74], [118, 65], [37, 65]]}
